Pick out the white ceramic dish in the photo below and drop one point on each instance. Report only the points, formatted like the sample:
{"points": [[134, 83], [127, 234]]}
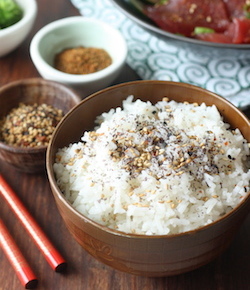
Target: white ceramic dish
{"points": [[72, 32], [12, 36]]}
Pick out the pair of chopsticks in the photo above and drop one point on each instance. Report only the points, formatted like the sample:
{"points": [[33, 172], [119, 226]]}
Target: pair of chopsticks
{"points": [[14, 255]]}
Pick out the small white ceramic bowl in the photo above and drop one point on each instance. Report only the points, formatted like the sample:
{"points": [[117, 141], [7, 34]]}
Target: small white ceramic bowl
{"points": [[12, 36], [76, 31]]}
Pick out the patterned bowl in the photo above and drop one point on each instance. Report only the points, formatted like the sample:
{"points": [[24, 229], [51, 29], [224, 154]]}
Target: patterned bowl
{"points": [[161, 255], [158, 55]]}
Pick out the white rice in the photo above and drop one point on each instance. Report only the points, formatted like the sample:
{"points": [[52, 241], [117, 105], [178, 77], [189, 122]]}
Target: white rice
{"points": [[156, 169]]}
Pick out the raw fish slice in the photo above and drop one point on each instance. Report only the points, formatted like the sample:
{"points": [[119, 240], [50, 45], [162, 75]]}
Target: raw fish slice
{"points": [[182, 16]]}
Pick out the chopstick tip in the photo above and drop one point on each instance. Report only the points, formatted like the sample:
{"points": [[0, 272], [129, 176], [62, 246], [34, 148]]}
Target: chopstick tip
{"points": [[31, 284], [61, 267]]}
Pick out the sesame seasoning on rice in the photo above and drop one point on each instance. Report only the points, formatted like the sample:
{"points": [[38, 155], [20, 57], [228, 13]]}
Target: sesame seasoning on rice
{"points": [[156, 169]]}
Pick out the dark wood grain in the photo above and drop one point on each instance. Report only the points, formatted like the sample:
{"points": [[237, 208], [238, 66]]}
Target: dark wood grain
{"points": [[229, 272]]}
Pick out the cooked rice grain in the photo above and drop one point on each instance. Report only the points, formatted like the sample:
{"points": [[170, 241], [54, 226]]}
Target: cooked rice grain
{"points": [[156, 169]]}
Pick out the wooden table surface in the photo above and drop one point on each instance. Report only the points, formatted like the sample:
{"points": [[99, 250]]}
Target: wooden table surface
{"points": [[231, 271]]}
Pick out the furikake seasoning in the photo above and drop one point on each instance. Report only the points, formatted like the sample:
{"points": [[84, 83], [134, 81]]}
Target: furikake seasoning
{"points": [[29, 125]]}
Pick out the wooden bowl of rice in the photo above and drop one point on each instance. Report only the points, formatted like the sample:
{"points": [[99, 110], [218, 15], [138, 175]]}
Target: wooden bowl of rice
{"points": [[150, 247]]}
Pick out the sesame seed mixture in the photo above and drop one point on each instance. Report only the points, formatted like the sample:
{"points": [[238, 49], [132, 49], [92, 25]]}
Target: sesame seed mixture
{"points": [[29, 125], [156, 169]]}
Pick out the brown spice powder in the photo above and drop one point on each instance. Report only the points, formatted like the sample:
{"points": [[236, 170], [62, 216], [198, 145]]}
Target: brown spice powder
{"points": [[82, 60]]}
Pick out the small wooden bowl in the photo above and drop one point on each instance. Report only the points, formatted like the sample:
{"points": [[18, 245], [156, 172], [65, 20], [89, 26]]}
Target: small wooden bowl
{"points": [[154, 256], [30, 91]]}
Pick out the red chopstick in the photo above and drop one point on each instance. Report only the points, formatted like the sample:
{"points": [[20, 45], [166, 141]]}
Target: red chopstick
{"points": [[16, 258], [53, 257]]}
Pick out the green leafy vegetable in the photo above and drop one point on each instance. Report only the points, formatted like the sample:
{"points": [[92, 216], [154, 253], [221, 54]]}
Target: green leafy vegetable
{"points": [[141, 5], [158, 2], [10, 13], [200, 30], [246, 9]]}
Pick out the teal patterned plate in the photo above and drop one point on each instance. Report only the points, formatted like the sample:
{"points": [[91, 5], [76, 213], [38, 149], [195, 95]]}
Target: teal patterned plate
{"points": [[155, 58]]}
